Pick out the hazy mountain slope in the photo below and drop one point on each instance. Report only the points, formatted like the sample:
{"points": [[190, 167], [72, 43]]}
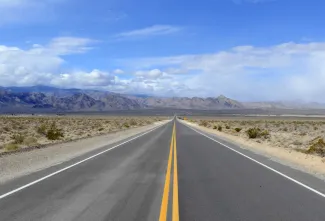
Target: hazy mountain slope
{"points": [[220, 102]]}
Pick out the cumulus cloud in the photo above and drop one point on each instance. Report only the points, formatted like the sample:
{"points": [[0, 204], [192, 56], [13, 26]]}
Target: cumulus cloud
{"points": [[151, 74], [281, 72], [286, 71], [41, 64], [95, 78]]}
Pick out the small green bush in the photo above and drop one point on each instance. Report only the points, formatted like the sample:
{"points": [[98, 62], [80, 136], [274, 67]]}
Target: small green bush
{"points": [[227, 127], [215, 127], [253, 133], [11, 147], [318, 147], [257, 133], [238, 129], [219, 128], [54, 133], [126, 125], [101, 129]]}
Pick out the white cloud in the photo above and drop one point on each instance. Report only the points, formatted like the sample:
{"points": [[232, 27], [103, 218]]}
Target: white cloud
{"points": [[40, 64], [281, 72], [118, 71], [285, 71], [151, 74], [149, 31], [66, 45], [95, 78]]}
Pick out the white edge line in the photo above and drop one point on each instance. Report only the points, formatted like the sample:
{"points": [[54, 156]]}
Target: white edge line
{"points": [[75, 164], [262, 164]]}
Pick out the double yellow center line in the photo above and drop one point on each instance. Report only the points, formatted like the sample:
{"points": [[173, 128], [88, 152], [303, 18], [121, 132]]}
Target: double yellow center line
{"points": [[164, 203]]}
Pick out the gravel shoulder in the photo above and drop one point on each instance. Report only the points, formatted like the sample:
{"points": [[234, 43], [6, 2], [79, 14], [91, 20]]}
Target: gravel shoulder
{"points": [[20, 164], [309, 163]]}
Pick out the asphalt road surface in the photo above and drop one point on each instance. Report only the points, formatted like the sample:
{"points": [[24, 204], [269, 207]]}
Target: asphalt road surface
{"points": [[171, 173]]}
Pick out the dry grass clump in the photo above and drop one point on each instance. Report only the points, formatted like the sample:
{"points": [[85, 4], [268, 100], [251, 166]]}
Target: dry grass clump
{"points": [[303, 135], [20, 132]]}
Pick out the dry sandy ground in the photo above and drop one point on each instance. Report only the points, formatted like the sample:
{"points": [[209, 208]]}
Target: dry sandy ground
{"points": [[281, 146], [16, 165], [21, 132]]}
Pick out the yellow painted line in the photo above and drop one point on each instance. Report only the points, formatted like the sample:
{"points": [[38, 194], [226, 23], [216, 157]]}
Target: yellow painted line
{"points": [[175, 182], [164, 203]]}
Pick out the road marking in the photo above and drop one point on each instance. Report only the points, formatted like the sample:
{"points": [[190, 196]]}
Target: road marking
{"points": [[175, 182], [262, 164], [75, 164], [164, 202]]}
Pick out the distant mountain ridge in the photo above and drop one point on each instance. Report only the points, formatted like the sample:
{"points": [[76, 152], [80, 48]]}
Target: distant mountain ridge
{"points": [[51, 98], [44, 97]]}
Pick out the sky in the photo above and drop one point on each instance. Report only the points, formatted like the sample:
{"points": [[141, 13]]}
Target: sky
{"points": [[250, 50]]}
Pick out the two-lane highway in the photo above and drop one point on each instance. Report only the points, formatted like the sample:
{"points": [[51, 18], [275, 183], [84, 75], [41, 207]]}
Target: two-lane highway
{"points": [[170, 173]]}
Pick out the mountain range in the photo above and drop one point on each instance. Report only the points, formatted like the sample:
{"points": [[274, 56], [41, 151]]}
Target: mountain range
{"points": [[56, 99], [51, 98]]}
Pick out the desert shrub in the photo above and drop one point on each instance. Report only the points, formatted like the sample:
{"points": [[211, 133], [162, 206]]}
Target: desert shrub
{"points": [[315, 128], [285, 129], [256, 133], [219, 128], [126, 125], [11, 147], [101, 129], [265, 133], [6, 128], [253, 133], [18, 138], [237, 129], [42, 129], [215, 127], [318, 147], [204, 123], [30, 141], [227, 127], [54, 133]]}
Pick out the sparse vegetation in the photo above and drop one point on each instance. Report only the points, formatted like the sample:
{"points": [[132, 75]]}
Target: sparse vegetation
{"points": [[237, 129], [11, 147], [22, 131], [54, 133], [204, 123], [18, 138], [301, 134], [317, 148], [253, 133]]}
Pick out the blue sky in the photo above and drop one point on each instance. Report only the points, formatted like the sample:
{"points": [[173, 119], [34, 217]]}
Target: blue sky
{"points": [[245, 49]]}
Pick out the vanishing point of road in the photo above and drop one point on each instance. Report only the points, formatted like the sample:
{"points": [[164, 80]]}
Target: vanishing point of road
{"points": [[170, 173]]}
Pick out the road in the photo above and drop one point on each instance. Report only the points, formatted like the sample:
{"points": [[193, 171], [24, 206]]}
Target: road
{"points": [[171, 173]]}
